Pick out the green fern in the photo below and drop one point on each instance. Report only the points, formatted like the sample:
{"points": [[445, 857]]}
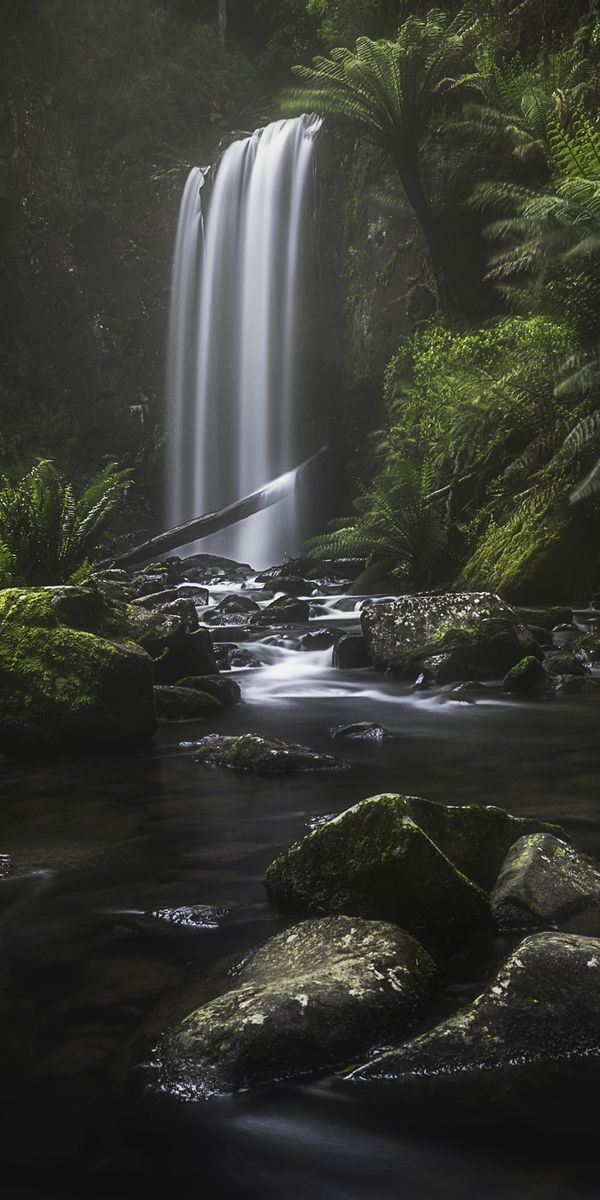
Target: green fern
{"points": [[45, 531]]}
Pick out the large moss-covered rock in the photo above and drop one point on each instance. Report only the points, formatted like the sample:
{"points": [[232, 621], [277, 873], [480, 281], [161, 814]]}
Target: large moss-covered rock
{"points": [[396, 628], [543, 881], [62, 687], [310, 998], [400, 858], [543, 1003], [176, 648], [564, 663], [252, 753]]}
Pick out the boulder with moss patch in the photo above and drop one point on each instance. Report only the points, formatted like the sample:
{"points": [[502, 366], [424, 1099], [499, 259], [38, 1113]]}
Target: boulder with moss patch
{"points": [[185, 704], [527, 678], [286, 610], [175, 647], [64, 688], [309, 999], [400, 858], [564, 663], [542, 882], [226, 690], [396, 629], [253, 753], [544, 1003]]}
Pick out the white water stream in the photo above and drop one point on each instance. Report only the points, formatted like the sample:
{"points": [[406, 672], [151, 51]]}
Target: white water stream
{"points": [[233, 377]]}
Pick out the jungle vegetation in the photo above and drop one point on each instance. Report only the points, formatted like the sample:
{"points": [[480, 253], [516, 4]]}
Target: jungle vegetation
{"points": [[460, 295]]}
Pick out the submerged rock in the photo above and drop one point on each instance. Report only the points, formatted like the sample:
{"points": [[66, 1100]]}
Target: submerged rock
{"points": [[313, 996], [543, 1003], [254, 753], [360, 731], [543, 881], [185, 704], [527, 677], [400, 858], [64, 688]]}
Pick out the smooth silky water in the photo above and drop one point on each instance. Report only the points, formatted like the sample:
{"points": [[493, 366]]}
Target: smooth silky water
{"points": [[85, 975]]}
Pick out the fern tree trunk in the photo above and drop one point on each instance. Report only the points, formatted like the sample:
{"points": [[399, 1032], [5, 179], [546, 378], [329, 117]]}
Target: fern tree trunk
{"points": [[454, 286]]}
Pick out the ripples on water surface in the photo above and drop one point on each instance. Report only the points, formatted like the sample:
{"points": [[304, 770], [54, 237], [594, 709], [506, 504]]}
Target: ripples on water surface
{"points": [[97, 845]]}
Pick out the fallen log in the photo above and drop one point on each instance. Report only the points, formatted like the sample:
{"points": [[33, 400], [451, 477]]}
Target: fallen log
{"points": [[201, 527]]}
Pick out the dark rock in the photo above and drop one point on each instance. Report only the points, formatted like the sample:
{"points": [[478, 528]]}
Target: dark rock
{"points": [[224, 620], [350, 653], [287, 610], [253, 753], [360, 731], [226, 690], [174, 649], [546, 618], [157, 599], [543, 881], [469, 688], [309, 999], [543, 1004], [564, 663], [321, 639], [66, 689], [422, 683], [185, 704], [206, 567], [574, 685], [400, 858], [237, 604], [225, 633], [292, 585], [486, 652], [587, 647], [395, 629], [231, 658], [527, 678], [193, 591]]}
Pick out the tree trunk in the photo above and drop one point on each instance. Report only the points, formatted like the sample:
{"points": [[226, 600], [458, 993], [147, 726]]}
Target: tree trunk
{"points": [[452, 283], [202, 526]]}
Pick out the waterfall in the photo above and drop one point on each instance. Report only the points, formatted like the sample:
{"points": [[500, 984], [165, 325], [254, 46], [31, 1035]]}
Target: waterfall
{"points": [[233, 383]]}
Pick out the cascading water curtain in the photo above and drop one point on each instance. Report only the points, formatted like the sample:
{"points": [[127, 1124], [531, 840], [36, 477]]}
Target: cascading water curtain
{"points": [[233, 379]]}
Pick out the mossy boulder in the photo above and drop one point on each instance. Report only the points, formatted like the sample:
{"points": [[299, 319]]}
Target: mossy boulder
{"points": [[527, 678], [226, 690], [64, 688], [185, 704], [400, 858], [395, 629], [286, 610], [252, 753], [544, 1003], [312, 997], [564, 663], [542, 882], [175, 648]]}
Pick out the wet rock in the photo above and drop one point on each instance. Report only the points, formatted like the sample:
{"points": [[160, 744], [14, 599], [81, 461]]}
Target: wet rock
{"points": [[5, 865], [350, 653], [64, 688], [208, 567], [253, 753], [468, 690], [422, 683], [543, 1004], [360, 731], [286, 610], [308, 999], [185, 704], [541, 636], [236, 605], [545, 617], [292, 585], [175, 650], [231, 658], [587, 647], [190, 918], [527, 678], [574, 685], [485, 652], [224, 620], [564, 635], [225, 633], [193, 591], [400, 858], [226, 690], [543, 881], [395, 629], [156, 599], [321, 639], [564, 663]]}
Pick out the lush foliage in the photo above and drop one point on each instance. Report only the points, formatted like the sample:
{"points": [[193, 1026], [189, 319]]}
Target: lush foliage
{"points": [[46, 533]]}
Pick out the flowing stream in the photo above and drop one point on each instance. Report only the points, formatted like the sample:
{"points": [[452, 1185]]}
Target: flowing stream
{"points": [[98, 846], [233, 376]]}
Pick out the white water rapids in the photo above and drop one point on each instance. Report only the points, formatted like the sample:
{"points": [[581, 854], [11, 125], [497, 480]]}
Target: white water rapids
{"points": [[233, 379]]}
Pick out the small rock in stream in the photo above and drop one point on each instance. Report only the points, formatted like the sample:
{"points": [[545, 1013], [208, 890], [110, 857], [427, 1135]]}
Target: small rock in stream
{"points": [[543, 881], [257, 754], [360, 731]]}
